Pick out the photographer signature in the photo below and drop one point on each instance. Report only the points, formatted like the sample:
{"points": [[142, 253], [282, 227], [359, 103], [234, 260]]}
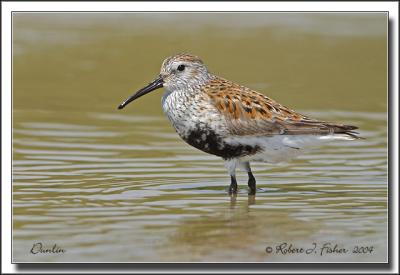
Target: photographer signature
{"points": [[318, 249]]}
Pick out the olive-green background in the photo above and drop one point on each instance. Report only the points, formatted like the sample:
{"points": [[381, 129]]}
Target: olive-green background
{"points": [[119, 185]]}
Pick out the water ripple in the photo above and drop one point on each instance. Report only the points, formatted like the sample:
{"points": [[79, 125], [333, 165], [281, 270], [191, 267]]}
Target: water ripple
{"points": [[73, 180]]}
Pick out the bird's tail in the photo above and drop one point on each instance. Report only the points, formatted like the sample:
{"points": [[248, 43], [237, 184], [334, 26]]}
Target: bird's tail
{"points": [[346, 132]]}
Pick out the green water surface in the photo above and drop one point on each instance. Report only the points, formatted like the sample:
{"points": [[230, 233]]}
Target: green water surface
{"points": [[108, 185]]}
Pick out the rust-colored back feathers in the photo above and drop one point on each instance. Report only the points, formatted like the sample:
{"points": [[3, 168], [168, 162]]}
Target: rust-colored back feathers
{"points": [[251, 113]]}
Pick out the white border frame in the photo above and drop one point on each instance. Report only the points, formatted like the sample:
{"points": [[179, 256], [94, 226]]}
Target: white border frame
{"points": [[8, 7]]}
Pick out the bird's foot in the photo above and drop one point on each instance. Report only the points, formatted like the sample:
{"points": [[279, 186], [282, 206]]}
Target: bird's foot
{"points": [[233, 188], [252, 191], [252, 184]]}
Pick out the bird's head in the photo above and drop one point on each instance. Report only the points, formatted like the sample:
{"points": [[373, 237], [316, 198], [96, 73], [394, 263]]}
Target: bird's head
{"points": [[183, 72]]}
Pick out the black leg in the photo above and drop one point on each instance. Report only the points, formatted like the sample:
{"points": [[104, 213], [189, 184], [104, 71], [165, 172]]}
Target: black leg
{"points": [[252, 181], [233, 187], [252, 184]]}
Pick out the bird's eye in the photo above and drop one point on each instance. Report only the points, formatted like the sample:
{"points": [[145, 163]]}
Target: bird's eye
{"points": [[181, 67]]}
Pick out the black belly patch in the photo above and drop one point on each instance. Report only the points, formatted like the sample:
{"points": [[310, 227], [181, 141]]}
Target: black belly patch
{"points": [[208, 141]]}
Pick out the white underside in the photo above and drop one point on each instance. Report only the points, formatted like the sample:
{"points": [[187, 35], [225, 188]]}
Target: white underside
{"points": [[282, 148]]}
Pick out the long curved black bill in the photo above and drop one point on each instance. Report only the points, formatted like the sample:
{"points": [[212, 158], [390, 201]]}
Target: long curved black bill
{"points": [[156, 84]]}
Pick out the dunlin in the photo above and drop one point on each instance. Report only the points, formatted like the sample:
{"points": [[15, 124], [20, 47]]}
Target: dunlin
{"points": [[234, 122]]}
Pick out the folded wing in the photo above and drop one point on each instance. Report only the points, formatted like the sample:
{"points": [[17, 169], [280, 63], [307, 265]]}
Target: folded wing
{"points": [[248, 112]]}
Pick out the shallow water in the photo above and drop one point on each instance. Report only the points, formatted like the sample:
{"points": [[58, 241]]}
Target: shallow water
{"points": [[108, 185]]}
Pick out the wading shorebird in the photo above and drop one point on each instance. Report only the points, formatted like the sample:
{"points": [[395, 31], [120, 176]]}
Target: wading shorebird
{"points": [[234, 122]]}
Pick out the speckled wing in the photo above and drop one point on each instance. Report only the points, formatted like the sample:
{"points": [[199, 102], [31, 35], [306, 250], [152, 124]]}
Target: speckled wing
{"points": [[248, 112]]}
